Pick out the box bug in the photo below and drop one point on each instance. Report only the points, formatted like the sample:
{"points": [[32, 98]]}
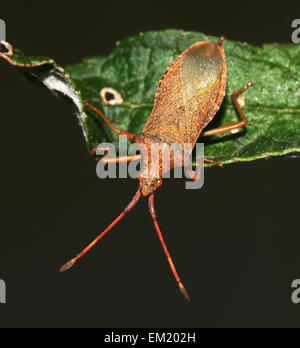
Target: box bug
{"points": [[188, 96]]}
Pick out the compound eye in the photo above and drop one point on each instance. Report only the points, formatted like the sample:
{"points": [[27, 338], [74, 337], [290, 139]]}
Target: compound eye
{"points": [[159, 183]]}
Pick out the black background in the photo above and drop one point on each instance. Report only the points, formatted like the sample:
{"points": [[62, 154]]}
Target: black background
{"points": [[236, 242]]}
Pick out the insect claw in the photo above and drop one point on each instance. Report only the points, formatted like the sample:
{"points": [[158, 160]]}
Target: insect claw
{"points": [[222, 38], [249, 84], [184, 292], [68, 265]]}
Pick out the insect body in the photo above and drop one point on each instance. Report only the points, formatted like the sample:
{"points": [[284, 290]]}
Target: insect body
{"points": [[188, 97]]}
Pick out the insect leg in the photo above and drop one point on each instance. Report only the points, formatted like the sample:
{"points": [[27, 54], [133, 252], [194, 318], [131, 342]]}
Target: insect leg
{"points": [[213, 162], [192, 174], [116, 130], [133, 202], [222, 38], [196, 176], [154, 218], [239, 110], [128, 158], [104, 159]]}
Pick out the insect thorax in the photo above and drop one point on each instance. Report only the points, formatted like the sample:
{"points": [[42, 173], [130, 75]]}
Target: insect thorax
{"points": [[159, 157]]}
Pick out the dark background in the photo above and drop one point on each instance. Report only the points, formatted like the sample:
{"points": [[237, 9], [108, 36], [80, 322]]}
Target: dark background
{"points": [[236, 242]]}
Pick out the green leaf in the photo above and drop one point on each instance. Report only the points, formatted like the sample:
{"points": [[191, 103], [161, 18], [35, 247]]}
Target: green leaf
{"points": [[135, 67]]}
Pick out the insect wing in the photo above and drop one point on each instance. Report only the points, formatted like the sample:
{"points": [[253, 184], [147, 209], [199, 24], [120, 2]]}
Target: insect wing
{"points": [[189, 94]]}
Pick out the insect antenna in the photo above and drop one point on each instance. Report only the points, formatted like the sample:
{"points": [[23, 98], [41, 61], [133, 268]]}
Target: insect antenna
{"points": [[154, 218], [133, 202]]}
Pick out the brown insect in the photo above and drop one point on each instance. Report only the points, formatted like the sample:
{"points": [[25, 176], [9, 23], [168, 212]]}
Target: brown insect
{"points": [[188, 97]]}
